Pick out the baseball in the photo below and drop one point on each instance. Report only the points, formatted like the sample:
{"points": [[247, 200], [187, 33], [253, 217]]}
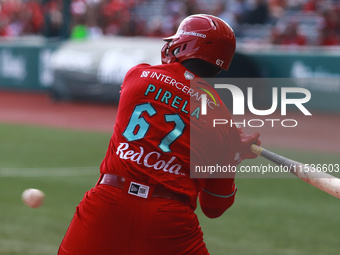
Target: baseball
{"points": [[33, 197]]}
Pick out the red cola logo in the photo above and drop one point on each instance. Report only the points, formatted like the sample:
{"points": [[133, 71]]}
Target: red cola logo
{"points": [[150, 160]]}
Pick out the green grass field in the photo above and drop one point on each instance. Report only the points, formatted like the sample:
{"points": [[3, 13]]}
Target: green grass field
{"points": [[270, 216]]}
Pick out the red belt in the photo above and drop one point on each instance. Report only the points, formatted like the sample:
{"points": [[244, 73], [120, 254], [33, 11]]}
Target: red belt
{"points": [[138, 189]]}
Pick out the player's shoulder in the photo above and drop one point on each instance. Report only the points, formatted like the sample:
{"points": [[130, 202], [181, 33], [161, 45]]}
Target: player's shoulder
{"points": [[173, 67], [137, 69], [142, 70], [172, 71]]}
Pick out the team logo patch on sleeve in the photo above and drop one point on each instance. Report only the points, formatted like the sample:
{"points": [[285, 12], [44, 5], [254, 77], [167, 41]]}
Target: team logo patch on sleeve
{"points": [[188, 75], [138, 190]]}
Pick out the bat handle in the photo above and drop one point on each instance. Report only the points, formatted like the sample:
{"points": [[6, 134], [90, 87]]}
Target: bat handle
{"points": [[256, 149]]}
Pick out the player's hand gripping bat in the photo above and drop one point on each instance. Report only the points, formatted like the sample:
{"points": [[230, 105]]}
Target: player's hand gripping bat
{"points": [[318, 179]]}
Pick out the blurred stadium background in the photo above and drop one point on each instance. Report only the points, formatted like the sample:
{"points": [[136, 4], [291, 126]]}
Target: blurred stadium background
{"points": [[81, 49]]}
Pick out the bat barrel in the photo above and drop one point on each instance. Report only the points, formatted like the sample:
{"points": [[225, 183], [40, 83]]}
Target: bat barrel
{"points": [[318, 179]]}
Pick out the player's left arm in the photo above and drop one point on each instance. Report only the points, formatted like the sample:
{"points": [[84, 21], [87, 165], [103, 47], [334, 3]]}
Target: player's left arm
{"points": [[217, 196]]}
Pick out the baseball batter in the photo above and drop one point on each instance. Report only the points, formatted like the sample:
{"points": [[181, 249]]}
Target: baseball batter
{"points": [[145, 198]]}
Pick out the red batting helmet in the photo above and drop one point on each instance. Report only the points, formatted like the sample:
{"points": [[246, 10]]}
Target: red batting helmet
{"points": [[204, 37]]}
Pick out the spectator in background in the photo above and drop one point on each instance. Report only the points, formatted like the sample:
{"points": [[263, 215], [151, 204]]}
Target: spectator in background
{"points": [[92, 21], [118, 18], [12, 23], [53, 17], [3, 25], [258, 12], [289, 36], [193, 7], [79, 13], [223, 11], [109, 11], [276, 9], [35, 18], [275, 36], [329, 27], [21, 18], [155, 28], [330, 19], [239, 9], [329, 38], [17, 20], [310, 6], [95, 18], [175, 12]]}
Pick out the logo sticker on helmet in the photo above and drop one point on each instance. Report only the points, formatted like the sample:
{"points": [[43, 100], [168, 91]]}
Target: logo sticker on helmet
{"points": [[181, 32]]}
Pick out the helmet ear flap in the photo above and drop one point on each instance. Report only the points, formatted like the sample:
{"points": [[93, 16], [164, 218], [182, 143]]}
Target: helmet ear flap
{"points": [[176, 51], [166, 52], [166, 48]]}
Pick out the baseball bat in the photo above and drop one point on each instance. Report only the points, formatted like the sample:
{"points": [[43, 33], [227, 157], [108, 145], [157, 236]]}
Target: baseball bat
{"points": [[318, 179]]}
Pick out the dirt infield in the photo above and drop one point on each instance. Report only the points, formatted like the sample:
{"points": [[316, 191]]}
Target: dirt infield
{"points": [[319, 132]]}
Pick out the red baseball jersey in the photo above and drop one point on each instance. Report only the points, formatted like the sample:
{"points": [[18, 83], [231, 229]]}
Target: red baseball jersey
{"points": [[160, 133]]}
